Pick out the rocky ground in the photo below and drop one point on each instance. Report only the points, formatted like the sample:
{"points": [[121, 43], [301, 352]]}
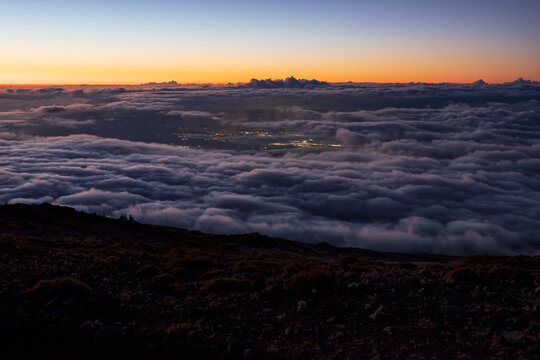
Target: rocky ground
{"points": [[74, 285]]}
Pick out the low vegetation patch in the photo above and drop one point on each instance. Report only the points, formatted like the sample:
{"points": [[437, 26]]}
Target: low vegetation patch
{"points": [[244, 267], [63, 288], [198, 261], [318, 277], [462, 275], [7, 244], [107, 261], [406, 266], [231, 247], [178, 271], [147, 271], [225, 284], [178, 328], [480, 268], [347, 260]]}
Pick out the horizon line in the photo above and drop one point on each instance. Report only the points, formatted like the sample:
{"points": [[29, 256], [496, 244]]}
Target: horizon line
{"points": [[150, 83]]}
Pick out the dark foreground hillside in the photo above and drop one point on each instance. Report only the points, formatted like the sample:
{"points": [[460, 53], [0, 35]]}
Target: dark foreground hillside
{"points": [[74, 285]]}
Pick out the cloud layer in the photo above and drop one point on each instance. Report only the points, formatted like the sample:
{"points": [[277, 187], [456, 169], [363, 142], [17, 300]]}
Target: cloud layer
{"points": [[437, 175]]}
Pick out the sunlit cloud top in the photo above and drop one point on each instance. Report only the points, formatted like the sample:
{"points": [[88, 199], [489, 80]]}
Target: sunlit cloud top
{"points": [[220, 41]]}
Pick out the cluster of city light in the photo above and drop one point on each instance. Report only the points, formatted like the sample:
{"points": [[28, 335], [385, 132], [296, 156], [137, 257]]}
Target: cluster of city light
{"points": [[219, 135], [304, 143], [224, 135]]}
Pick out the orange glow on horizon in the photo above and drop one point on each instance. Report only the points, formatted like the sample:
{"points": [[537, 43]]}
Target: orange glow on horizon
{"points": [[214, 65], [336, 71]]}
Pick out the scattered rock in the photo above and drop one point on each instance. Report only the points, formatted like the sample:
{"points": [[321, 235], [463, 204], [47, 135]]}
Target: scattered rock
{"points": [[452, 309], [249, 354], [424, 272], [379, 312], [87, 326], [513, 336], [391, 329]]}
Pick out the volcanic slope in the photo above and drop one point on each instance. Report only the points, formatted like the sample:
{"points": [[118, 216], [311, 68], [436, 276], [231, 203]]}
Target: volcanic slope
{"points": [[76, 285]]}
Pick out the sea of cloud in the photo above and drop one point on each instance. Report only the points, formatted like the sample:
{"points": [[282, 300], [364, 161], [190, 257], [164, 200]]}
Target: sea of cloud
{"points": [[436, 168]]}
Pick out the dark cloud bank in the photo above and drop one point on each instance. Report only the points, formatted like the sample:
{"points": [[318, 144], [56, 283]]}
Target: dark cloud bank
{"points": [[443, 168]]}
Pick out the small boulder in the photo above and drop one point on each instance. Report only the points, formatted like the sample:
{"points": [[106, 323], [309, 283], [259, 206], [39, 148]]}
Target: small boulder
{"points": [[249, 354], [512, 336], [86, 327]]}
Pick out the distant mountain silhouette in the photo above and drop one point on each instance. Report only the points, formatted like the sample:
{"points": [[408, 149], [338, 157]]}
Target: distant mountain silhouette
{"points": [[290, 82], [522, 81], [172, 82], [480, 82]]}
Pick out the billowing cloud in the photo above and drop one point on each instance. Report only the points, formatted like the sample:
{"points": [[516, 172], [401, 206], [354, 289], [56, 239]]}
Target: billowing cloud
{"points": [[404, 167]]}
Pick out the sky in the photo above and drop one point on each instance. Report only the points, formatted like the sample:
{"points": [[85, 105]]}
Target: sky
{"points": [[128, 42]]}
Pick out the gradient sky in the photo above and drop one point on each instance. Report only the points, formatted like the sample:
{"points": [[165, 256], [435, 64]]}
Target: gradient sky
{"points": [[120, 41]]}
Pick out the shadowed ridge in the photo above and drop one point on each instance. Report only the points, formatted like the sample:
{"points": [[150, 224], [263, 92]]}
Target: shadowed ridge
{"points": [[50, 218]]}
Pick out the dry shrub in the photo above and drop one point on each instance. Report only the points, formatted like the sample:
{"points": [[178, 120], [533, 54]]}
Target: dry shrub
{"points": [[471, 270], [500, 272], [521, 275], [178, 328], [244, 267], [318, 277], [125, 297], [480, 261], [163, 282], [504, 272], [213, 273], [230, 247], [292, 268], [263, 256], [166, 284], [63, 288], [107, 261], [178, 271], [148, 256], [479, 268], [147, 271], [362, 268], [7, 244], [198, 261], [179, 290], [365, 266], [142, 245], [462, 275], [406, 266], [225, 284], [347, 260]]}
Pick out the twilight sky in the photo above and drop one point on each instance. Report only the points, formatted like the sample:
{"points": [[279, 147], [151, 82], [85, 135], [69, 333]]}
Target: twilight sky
{"points": [[120, 41]]}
